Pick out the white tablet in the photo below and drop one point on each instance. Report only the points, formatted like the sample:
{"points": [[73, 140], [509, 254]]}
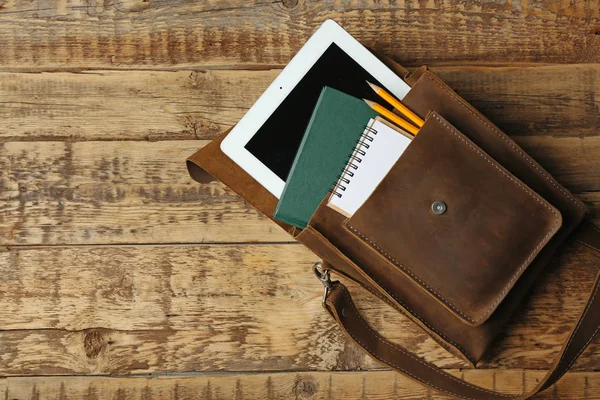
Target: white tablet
{"points": [[265, 141]]}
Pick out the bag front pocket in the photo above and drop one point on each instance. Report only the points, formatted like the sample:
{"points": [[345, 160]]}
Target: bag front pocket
{"points": [[456, 222]]}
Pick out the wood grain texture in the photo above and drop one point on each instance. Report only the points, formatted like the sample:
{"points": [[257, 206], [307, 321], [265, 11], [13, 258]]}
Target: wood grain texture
{"points": [[60, 35], [126, 105], [118, 192], [145, 309], [558, 101], [101, 230], [383, 385]]}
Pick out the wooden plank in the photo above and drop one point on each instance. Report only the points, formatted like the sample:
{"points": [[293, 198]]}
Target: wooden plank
{"points": [[140, 192], [42, 35], [152, 105], [299, 385], [148, 309], [126, 105], [154, 287], [118, 192]]}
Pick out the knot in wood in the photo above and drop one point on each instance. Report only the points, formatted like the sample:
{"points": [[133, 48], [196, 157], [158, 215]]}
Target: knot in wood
{"points": [[289, 3], [93, 343], [305, 389]]}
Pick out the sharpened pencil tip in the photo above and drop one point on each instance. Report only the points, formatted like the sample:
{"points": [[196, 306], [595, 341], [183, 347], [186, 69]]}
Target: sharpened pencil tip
{"points": [[373, 86]]}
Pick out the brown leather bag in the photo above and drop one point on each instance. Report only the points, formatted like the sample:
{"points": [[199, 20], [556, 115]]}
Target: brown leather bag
{"points": [[458, 275]]}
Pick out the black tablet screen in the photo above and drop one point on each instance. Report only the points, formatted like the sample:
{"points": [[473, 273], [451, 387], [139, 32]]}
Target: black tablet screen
{"points": [[277, 141]]}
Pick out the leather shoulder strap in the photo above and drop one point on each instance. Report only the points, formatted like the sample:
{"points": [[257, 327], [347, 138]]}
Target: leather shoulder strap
{"points": [[339, 304]]}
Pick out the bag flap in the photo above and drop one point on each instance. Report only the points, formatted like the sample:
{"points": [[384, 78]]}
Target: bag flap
{"points": [[470, 250], [429, 92]]}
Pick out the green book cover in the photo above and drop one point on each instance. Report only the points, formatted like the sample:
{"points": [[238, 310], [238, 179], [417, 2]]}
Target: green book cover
{"points": [[335, 127]]}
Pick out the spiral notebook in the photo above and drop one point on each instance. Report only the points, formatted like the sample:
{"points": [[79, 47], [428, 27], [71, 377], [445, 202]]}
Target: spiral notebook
{"points": [[380, 147]]}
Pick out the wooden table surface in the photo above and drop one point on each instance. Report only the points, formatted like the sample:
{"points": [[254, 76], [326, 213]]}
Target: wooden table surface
{"points": [[121, 278]]}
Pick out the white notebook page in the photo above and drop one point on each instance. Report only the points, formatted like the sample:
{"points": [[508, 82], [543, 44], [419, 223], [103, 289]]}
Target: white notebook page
{"points": [[376, 160]]}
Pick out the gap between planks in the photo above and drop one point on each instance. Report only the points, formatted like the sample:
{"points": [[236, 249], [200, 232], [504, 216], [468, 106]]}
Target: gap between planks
{"points": [[269, 67], [383, 385], [142, 245]]}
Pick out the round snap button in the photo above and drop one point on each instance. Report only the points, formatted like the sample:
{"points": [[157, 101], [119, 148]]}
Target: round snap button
{"points": [[438, 207]]}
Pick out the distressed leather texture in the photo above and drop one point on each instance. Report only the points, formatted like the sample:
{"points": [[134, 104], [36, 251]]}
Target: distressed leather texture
{"points": [[341, 307], [459, 275], [487, 208]]}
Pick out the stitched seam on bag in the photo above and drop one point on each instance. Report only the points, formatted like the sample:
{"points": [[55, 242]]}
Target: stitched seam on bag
{"points": [[587, 244], [514, 277], [594, 227], [515, 148], [581, 320], [463, 351], [401, 350], [581, 351], [589, 305]]}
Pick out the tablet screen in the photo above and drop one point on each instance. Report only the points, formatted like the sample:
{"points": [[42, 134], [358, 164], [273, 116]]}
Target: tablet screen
{"points": [[276, 142]]}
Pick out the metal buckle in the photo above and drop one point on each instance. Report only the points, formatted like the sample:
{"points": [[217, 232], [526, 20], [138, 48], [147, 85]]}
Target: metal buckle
{"points": [[323, 276]]}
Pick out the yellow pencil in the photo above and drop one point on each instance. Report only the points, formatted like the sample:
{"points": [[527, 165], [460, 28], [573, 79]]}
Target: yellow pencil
{"points": [[397, 104], [392, 117]]}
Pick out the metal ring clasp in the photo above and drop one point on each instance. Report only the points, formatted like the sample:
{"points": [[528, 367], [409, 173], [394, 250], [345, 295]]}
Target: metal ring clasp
{"points": [[324, 276]]}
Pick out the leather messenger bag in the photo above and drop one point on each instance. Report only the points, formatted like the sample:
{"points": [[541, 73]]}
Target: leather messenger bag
{"points": [[458, 275]]}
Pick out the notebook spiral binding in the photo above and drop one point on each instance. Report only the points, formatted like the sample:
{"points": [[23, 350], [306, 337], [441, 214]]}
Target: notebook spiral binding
{"points": [[354, 159]]}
